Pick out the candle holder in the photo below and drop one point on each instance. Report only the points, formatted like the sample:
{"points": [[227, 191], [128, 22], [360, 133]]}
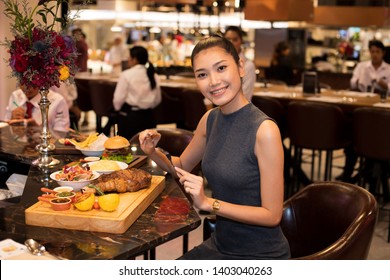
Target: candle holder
{"points": [[45, 148]]}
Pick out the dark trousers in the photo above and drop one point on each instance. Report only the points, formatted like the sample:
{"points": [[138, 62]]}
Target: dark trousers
{"points": [[350, 161], [130, 121]]}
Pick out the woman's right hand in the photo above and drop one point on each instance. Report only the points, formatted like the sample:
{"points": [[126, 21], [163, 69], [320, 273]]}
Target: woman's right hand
{"points": [[148, 140]]}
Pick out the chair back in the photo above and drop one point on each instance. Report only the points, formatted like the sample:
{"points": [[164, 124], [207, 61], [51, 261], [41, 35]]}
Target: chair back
{"points": [[371, 133], [330, 220], [317, 126], [173, 140], [102, 94], [194, 108], [190, 107], [83, 95], [169, 110], [274, 109]]}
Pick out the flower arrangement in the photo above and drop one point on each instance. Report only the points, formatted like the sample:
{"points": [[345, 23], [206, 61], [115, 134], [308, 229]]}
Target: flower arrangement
{"points": [[40, 56], [345, 49]]}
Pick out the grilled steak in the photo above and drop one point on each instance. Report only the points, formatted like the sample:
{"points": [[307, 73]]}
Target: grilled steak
{"points": [[127, 180]]}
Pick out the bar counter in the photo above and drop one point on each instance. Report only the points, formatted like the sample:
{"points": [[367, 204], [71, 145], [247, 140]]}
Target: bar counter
{"points": [[143, 235]]}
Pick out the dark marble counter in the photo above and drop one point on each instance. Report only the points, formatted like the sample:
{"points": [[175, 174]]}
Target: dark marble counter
{"points": [[143, 235]]}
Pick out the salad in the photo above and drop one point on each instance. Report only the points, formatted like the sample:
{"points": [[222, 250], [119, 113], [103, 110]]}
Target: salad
{"points": [[74, 172]]}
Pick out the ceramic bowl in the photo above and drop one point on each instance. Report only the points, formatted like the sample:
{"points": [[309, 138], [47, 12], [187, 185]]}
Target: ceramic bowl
{"points": [[67, 194], [60, 203], [91, 159], [63, 189], [76, 185], [91, 153]]}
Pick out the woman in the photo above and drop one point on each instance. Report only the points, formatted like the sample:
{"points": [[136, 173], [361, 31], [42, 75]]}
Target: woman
{"points": [[242, 160], [136, 94], [234, 35]]}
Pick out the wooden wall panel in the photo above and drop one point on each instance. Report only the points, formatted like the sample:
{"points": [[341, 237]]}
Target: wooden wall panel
{"points": [[352, 16], [279, 10]]}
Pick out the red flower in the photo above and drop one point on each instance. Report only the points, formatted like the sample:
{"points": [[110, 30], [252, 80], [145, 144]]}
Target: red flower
{"points": [[20, 63]]}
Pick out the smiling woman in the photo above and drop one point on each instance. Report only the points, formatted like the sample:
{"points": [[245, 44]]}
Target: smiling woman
{"points": [[232, 139]]}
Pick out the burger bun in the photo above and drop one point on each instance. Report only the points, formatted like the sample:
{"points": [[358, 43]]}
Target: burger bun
{"points": [[116, 142]]}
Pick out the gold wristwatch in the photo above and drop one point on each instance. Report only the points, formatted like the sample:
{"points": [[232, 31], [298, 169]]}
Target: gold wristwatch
{"points": [[216, 205]]}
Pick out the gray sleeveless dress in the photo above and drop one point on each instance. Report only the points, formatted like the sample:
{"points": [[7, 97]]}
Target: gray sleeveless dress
{"points": [[231, 169]]}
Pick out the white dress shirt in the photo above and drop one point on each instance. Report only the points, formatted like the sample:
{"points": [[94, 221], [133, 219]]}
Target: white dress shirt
{"points": [[365, 74], [133, 88], [58, 114], [117, 54], [68, 91], [248, 81]]}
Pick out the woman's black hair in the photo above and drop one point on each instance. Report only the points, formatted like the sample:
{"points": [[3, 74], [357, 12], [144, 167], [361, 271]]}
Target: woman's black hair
{"points": [[141, 54], [235, 29], [215, 41]]}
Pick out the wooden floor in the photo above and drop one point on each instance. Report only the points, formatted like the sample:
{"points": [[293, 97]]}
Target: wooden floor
{"points": [[380, 248]]}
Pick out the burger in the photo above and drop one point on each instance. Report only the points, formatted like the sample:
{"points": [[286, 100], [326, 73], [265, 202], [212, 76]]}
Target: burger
{"points": [[117, 148]]}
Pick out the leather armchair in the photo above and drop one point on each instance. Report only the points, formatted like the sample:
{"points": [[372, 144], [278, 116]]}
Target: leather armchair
{"points": [[326, 220]]}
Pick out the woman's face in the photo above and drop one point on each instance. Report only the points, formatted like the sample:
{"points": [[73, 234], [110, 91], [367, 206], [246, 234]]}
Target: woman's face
{"points": [[217, 75], [235, 39]]}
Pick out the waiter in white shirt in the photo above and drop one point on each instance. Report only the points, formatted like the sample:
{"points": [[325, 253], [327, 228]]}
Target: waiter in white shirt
{"points": [[372, 75], [136, 94], [23, 107], [118, 54], [368, 76]]}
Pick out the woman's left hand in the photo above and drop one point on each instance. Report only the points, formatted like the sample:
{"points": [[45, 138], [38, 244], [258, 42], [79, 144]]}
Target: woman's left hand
{"points": [[193, 185]]}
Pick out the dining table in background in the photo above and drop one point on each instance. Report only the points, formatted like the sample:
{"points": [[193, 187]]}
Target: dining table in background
{"points": [[143, 235]]}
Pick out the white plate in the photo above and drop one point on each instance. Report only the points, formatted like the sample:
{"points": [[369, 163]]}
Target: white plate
{"points": [[121, 164], [77, 185], [90, 159], [3, 124]]}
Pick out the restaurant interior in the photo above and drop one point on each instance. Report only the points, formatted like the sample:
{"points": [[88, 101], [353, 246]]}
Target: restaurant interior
{"points": [[334, 32]]}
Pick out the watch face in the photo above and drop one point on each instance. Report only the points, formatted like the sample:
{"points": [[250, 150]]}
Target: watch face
{"points": [[216, 205]]}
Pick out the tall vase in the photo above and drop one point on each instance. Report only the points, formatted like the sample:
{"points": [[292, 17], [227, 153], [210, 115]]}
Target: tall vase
{"points": [[45, 148]]}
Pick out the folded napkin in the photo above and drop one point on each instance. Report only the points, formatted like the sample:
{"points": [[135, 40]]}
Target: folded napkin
{"points": [[382, 105], [12, 250], [275, 94], [329, 99]]}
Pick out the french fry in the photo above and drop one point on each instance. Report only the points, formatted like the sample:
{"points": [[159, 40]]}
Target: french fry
{"points": [[90, 139]]}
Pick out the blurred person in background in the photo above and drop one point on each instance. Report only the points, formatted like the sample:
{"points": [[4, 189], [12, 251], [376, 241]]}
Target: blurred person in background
{"points": [[82, 60], [281, 65], [82, 49], [234, 35], [372, 76], [23, 107], [69, 92], [136, 94], [118, 56]]}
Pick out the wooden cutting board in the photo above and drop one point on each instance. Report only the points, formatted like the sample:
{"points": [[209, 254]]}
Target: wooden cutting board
{"points": [[131, 206]]}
